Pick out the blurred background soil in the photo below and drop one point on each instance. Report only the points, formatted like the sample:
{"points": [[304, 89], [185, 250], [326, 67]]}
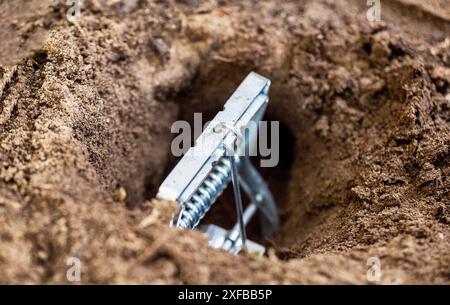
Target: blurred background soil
{"points": [[85, 116]]}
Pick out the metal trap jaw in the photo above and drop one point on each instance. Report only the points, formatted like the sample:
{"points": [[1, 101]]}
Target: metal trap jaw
{"points": [[220, 156]]}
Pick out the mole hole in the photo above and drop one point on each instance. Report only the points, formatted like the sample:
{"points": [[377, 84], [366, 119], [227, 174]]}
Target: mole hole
{"points": [[207, 97]]}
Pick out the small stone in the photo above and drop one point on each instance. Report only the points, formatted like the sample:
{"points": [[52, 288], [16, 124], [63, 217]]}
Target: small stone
{"points": [[130, 236], [42, 255], [127, 7], [361, 192], [121, 194], [160, 46]]}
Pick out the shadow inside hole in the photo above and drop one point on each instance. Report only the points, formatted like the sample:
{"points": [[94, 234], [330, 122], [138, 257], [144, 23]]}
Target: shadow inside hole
{"points": [[223, 213]]}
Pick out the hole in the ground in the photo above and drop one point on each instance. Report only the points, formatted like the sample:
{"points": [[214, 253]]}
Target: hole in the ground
{"points": [[207, 95]]}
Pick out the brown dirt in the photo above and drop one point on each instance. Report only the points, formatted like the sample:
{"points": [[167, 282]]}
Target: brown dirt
{"points": [[85, 114]]}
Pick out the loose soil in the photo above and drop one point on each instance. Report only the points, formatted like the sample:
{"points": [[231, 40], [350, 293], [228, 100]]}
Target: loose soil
{"points": [[85, 116]]}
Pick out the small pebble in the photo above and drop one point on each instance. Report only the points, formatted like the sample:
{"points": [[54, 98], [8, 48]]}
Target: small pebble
{"points": [[121, 194]]}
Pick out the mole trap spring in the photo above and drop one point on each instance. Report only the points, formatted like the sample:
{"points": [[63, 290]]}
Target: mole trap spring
{"points": [[219, 158]]}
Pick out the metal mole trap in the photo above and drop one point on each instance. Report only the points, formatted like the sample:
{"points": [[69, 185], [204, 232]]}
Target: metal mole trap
{"points": [[217, 158]]}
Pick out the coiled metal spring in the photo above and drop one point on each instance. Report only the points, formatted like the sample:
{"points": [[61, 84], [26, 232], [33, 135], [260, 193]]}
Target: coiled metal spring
{"points": [[212, 187]]}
